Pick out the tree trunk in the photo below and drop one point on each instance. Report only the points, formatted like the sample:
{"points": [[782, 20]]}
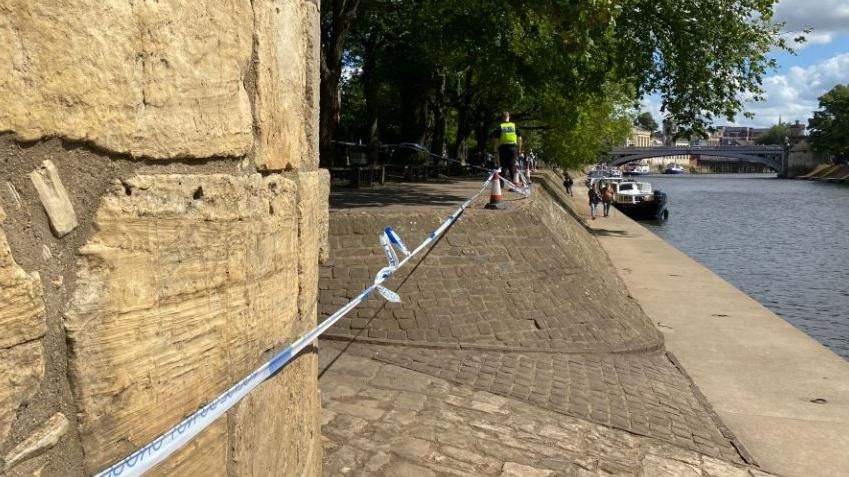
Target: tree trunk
{"points": [[464, 120], [342, 14], [440, 117], [415, 99], [370, 93]]}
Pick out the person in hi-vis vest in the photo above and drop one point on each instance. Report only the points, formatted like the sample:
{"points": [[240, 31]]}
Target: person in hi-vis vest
{"points": [[509, 144]]}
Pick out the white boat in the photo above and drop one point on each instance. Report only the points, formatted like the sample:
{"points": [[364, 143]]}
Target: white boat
{"points": [[636, 199], [637, 170], [673, 168]]}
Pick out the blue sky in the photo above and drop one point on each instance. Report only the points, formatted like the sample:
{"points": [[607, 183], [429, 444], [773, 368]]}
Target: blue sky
{"points": [[818, 65]]}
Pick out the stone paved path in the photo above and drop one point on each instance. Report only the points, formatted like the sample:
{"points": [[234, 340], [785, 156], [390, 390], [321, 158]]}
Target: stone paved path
{"points": [[497, 280], [519, 305], [384, 420], [638, 394]]}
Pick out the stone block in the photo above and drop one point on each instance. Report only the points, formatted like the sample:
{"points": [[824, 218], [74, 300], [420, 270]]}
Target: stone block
{"points": [[277, 428], [45, 437], [158, 79], [313, 192], [21, 372], [512, 469], [54, 198], [186, 282], [286, 84], [23, 322]]}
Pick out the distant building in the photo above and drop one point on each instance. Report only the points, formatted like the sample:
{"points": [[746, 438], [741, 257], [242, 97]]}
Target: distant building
{"points": [[797, 131], [740, 135], [639, 138]]}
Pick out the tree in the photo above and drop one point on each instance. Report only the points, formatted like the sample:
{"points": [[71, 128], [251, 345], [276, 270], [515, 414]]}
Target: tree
{"points": [[439, 72], [646, 121], [776, 134], [336, 20], [829, 128]]}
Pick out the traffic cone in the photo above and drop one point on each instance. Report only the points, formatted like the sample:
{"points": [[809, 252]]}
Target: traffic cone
{"points": [[516, 180], [495, 194]]}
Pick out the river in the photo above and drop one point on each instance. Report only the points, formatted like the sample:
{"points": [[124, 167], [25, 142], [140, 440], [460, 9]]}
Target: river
{"points": [[783, 242]]}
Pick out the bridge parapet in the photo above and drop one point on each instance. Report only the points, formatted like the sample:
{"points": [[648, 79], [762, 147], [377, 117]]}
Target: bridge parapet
{"points": [[770, 156]]}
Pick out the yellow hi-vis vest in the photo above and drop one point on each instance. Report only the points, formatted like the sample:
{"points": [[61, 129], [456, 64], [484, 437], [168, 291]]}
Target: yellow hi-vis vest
{"points": [[508, 134]]}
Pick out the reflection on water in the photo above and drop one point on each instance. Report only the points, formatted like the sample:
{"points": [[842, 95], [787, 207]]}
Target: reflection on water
{"points": [[783, 242]]}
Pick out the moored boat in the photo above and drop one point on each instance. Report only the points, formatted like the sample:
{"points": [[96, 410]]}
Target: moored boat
{"points": [[639, 201], [637, 170], [673, 168]]}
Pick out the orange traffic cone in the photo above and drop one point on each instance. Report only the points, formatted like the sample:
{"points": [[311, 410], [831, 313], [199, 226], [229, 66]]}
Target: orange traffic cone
{"points": [[495, 196]]}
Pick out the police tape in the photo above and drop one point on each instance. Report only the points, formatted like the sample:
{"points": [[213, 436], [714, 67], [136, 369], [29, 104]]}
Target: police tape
{"points": [[524, 190], [145, 458]]}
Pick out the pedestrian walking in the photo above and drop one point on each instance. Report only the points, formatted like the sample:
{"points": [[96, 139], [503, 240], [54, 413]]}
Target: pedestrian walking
{"points": [[509, 143], [594, 200], [568, 183], [606, 198]]}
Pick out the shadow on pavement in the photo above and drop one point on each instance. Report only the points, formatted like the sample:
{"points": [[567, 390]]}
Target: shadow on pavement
{"points": [[411, 194], [610, 232]]}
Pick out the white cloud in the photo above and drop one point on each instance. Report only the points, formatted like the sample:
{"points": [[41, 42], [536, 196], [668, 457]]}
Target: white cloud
{"points": [[794, 95], [813, 38], [826, 17]]}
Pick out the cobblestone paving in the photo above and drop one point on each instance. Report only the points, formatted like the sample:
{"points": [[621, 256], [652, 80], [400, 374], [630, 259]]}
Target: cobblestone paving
{"points": [[639, 394], [520, 304], [383, 420], [494, 280]]}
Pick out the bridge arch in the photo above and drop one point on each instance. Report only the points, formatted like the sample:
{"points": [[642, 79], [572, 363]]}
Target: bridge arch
{"points": [[772, 159]]}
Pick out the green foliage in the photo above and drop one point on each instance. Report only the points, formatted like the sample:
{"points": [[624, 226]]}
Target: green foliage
{"points": [[441, 71], [829, 128], [776, 134], [646, 121]]}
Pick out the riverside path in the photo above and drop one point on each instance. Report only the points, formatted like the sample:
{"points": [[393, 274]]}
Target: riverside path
{"points": [[516, 351], [784, 395]]}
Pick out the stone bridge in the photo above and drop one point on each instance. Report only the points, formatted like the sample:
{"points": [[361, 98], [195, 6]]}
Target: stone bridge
{"points": [[770, 156]]}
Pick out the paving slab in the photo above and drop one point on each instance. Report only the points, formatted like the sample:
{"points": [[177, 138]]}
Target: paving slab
{"points": [[460, 431]]}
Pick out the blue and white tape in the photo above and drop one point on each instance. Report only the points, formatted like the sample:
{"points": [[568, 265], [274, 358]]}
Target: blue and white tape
{"points": [[391, 257], [145, 458], [396, 240]]}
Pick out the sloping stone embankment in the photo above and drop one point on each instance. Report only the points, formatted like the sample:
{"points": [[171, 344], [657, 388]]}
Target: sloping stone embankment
{"points": [[519, 303]]}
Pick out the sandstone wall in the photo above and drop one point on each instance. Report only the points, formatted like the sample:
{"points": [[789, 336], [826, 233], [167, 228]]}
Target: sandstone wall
{"points": [[162, 216], [802, 160]]}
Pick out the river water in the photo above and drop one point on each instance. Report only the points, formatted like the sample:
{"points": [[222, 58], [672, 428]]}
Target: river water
{"points": [[783, 242]]}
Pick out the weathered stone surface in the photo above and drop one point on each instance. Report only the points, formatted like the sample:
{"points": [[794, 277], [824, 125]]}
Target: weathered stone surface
{"points": [[45, 437], [313, 190], [54, 199], [287, 72], [276, 426], [22, 316], [22, 321], [654, 466], [185, 283], [157, 79], [205, 455], [21, 371], [31, 468], [512, 469]]}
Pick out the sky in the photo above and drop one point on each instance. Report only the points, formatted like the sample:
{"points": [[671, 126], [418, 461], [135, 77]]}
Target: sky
{"points": [[818, 65]]}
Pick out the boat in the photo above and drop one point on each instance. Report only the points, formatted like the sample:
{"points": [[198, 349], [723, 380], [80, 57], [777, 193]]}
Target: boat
{"points": [[636, 199], [637, 170], [673, 168]]}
